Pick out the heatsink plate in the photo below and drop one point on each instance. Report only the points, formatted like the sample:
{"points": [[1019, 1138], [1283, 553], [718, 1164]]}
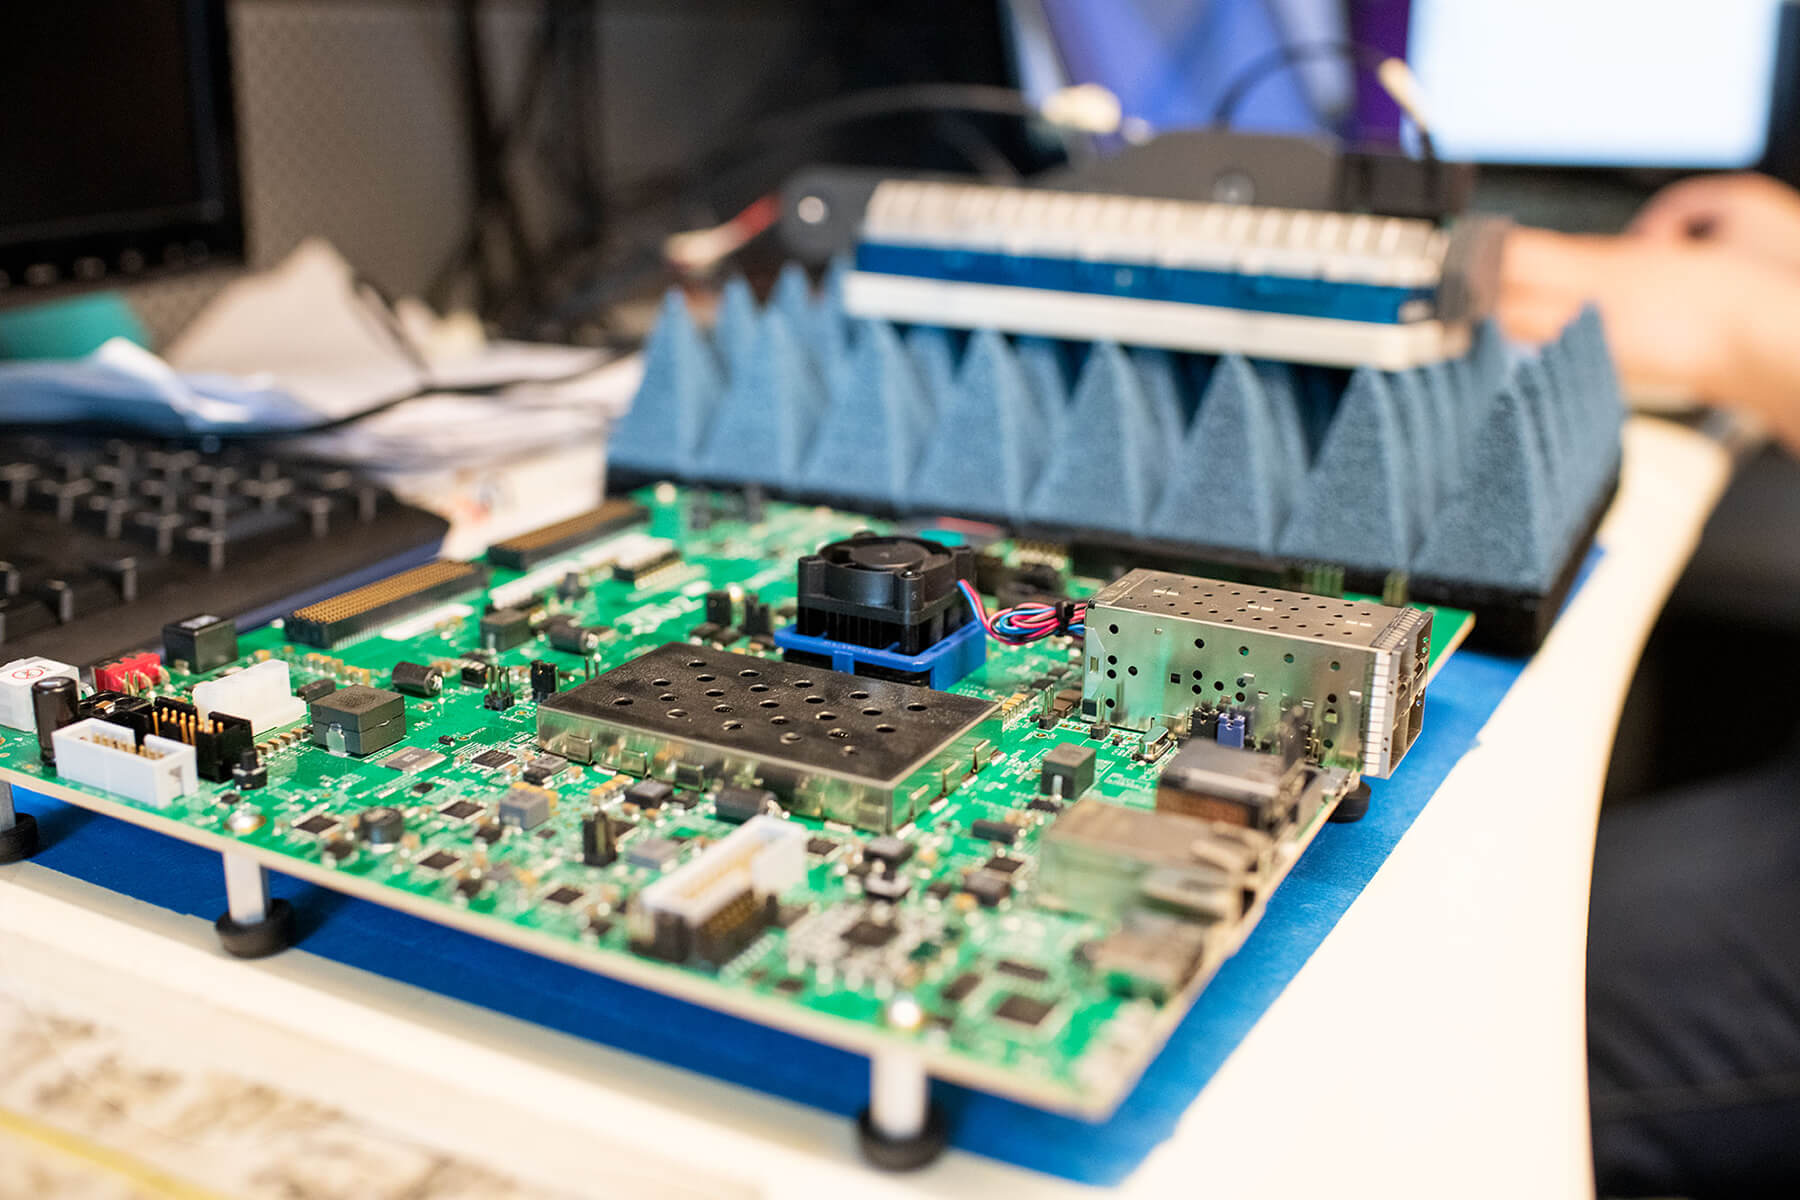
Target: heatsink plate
{"points": [[868, 752]]}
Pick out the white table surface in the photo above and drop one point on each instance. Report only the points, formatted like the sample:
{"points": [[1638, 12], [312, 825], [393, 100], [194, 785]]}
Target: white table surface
{"points": [[1432, 1046]]}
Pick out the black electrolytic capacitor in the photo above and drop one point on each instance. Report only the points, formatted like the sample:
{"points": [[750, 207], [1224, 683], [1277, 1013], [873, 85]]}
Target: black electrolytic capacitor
{"points": [[571, 638], [417, 679], [53, 706], [543, 679]]}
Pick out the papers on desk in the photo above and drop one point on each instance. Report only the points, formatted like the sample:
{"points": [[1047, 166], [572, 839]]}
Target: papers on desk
{"points": [[517, 441], [307, 329], [445, 429]]}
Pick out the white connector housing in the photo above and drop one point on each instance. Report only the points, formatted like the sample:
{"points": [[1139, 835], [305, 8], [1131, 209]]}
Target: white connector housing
{"points": [[107, 756], [16, 678], [262, 695], [765, 855]]}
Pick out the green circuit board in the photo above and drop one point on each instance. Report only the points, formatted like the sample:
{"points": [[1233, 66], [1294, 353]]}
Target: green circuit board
{"points": [[1000, 993]]}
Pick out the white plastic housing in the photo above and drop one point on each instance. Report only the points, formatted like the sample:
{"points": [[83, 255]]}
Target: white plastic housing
{"points": [[107, 756], [16, 678], [1175, 326], [261, 694], [766, 855]]}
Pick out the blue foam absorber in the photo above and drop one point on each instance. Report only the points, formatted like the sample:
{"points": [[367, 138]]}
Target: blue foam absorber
{"points": [[1284, 407], [829, 327], [1046, 366], [1553, 432], [736, 329], [1156, 374], [988, 442], [953, 657], [1107, 464], [933, 353], [1415, 443], [682, 385], [874, 424], [1371, 470], [770, 410], [1602, 412], [1434, 446], [824, 338], [1488, 361], [1352, 509], [1226, 485], [792, 296], [1497, 527]]}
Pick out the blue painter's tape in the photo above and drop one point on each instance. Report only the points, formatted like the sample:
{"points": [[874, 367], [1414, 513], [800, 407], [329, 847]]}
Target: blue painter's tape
{"points": [[956, 656], [1370, 303]]}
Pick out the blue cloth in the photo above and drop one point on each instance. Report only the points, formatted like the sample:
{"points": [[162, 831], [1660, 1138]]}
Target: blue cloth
{"points": [[1327, 878], [1169, 61], [122, 386]]}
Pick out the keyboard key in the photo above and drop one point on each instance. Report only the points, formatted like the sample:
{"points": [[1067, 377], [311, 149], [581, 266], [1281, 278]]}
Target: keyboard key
{"points": [[21, 616], [15, 478]]}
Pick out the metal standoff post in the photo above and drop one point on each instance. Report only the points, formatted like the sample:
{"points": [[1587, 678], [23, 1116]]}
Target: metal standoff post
{"points": [[18, 830], [254, 926]]}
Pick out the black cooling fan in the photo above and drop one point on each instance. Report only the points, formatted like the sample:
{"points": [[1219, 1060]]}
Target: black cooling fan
{"points": [[884, 591]]}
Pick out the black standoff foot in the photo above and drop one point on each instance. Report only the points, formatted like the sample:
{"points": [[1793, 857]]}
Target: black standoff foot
{"points": [[21, 841], [1354, 806], [271, 935], [903, 1154]]}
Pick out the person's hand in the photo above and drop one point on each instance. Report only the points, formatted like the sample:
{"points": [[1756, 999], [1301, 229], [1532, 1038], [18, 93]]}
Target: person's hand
{"points": [[1681, 318], [1748, 214], [1667, 307]]}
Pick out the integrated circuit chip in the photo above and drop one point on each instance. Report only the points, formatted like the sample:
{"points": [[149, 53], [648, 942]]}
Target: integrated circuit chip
{"points": [[411, 759], [987, 887], [869, 932], [461, 810], [959, 988], [1023, 1010]]}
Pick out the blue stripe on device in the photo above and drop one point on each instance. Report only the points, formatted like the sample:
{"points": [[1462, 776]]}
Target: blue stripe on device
{"points": [[1335, 299]]}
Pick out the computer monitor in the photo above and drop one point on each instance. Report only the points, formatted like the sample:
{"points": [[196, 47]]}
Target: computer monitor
{"points": [[117, 148], [1597, 83]]}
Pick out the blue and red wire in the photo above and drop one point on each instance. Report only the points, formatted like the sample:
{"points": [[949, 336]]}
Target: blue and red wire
{"points": [[1028, 622]]}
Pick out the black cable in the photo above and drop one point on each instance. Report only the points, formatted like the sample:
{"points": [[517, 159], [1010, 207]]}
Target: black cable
{"points": [[780, 129], [490, 142], [898, 100], [1286, 58], [491, 388]]}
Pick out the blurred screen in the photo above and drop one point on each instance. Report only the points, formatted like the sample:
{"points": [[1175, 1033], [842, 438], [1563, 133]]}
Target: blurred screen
{"points": [[1666, 83], [107, 130]]}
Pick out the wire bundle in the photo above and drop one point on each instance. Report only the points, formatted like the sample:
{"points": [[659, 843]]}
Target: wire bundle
{"points": [[1027, 622]]}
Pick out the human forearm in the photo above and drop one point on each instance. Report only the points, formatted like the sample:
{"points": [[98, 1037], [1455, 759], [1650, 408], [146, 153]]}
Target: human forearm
{"points": [[1687, 319], [1759, 369]]}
